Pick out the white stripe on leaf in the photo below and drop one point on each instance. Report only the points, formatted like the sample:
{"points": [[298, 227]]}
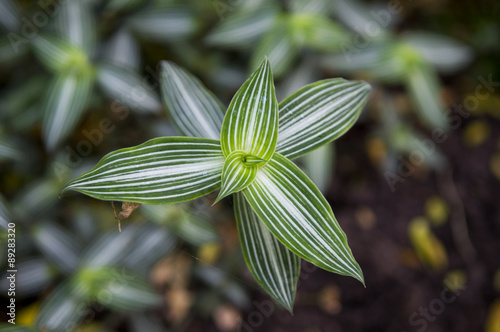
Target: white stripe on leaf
{"points": [[296, 212], [319, 113], [251, 122], [162, 170], [274, 267], [193, 108]]}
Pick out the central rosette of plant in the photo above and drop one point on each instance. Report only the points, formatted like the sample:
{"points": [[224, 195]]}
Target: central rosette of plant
{"points": [[249, 131]]}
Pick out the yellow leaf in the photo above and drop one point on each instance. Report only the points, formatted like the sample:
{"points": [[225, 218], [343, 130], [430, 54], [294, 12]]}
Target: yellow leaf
{"points": [[27, 315], [428, 248], [436, 210], [476, 133], [493, 320], [209, 252]]}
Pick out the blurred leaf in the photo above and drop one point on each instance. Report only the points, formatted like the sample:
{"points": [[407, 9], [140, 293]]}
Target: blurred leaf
{"points": [[68, 97], [195, 230], [9, 15], [193, 108], [190, 166], [242, 28], [12, 48], [455, 280], [319, 165], [423, 85], [274, 267], [121, 5], [278, 46], [32, 276], [57, 245], [445, 54], [358, 17], [77, 24], [429, 249], [122, 50], [108, 249], [27, 315], [36, 199], [9, 328], [59, 54], [9, 151], [322, 7], [64, 308], [4, 213], [127, 87], [124, 291], [151, 243], [209, 252], [219, 280], [164, 23], [317, 32]]}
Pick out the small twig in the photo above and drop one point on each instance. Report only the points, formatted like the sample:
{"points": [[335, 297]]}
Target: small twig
{"points": [[458, 221], [116, 217]]}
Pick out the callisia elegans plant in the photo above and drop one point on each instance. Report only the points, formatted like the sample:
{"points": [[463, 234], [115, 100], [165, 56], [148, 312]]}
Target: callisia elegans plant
{"points": [[246, 151]]}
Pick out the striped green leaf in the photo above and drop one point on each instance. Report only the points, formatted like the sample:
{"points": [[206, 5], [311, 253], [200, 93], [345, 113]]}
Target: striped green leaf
{"points": [[238, 173], [68, 98], [128, 87], [319, 113], [162, 170], [296, 212], [274, 267], [317, 32], [193, 108], [251, 121], [123, 50]]}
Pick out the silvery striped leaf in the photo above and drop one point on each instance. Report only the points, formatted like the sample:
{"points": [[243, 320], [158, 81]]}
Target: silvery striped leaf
{"points": [[236, 174], [77, 25], [423, 85], [193, 108], [319, 113], [58, 53], [63, 309], [9, 151], [57, 245], [119, 289], [242, 28], [123, 50], [274, 267], [445, 54], [278, 46], [164, 23], [33, 275], [128, 87], [161, 170], [5, 218], [251, 121], [68, 97], [109, 249], [9, 15], [296, 212]]}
